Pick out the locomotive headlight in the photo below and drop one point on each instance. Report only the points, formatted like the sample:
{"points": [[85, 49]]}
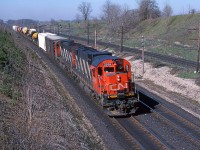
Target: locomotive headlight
{"points": [[118, 78]]}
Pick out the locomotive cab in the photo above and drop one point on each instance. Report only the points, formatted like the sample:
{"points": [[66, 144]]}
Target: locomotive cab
{"points": [[112, 82]]}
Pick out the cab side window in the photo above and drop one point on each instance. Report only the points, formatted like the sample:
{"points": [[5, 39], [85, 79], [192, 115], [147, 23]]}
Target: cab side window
{"points": [[93, 72], [127, 68], [100, 71]]}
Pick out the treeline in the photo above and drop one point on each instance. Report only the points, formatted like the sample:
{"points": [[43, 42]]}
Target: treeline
{"points": [[117, 16], [23, 22]]}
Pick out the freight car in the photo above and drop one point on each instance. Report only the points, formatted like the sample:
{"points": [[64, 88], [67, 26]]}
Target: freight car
{"points": [[107, 78], [25, 30]]}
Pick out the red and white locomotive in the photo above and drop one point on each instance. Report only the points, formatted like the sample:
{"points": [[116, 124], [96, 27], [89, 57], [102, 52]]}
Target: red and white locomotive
{"points": [[106, 77]]}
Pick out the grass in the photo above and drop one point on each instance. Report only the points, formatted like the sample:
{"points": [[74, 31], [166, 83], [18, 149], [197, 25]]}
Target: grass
{"points": [[11, 61], [175, 51], [160, 35], [188, 74], [168, 36]]}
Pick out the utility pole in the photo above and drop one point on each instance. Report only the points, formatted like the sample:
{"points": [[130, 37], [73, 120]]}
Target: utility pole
{"points": [[143, 55], [122, 39], [198, 50], [95, 38], [88, 36], [38, 27], [69, 31], [197, 70], [58, 29]]}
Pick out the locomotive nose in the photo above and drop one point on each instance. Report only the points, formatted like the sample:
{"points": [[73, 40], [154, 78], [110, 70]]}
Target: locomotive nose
{"points": [[118, 78]]}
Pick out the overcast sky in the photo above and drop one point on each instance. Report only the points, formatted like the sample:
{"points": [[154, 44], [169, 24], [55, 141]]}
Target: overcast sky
{"points": [[67, 9]]}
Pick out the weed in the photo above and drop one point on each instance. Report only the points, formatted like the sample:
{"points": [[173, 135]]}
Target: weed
{"points": [[11, 66], [188, 74]]}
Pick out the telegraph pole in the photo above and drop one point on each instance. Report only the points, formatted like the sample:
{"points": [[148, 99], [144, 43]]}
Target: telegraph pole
{"points": [[143, 55], [54, 29], [197, 70], [95, 38], [122, 39], [69, 30], [58, 29], [88, 38], [198, 50]]}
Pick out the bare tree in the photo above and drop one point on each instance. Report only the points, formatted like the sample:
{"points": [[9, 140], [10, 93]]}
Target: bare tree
{"points": [[148, 9], [193, 11], [107, 11], [129, 18], [125, 16], [117, 16], [112, 15], [85, 9], [78, 18], [167, 11]]}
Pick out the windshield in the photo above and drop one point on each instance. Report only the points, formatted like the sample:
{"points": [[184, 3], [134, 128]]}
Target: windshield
{"points": [[109, 69]]}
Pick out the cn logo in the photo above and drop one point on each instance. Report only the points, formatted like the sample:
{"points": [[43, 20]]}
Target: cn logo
{"points": [[116, 87]]}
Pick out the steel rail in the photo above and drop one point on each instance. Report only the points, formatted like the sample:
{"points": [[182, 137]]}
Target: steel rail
{"points": [[190, 137], [165, 58]]}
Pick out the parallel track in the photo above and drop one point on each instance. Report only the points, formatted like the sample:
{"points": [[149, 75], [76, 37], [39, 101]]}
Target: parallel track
{"points": [[165, 58], [186, 128], [141, 133]]}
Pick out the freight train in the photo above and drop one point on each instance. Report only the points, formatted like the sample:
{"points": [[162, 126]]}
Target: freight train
{"points": [[107, 78]]}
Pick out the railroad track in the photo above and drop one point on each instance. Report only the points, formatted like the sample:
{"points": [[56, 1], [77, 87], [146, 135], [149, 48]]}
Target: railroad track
{"points": [[184, 133], [164, 58], [133, 133], [140, 134], [183, 129]]}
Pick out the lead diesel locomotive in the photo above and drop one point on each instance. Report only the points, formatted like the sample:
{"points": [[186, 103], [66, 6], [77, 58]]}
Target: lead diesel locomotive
{"points": [[105, 77]]}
